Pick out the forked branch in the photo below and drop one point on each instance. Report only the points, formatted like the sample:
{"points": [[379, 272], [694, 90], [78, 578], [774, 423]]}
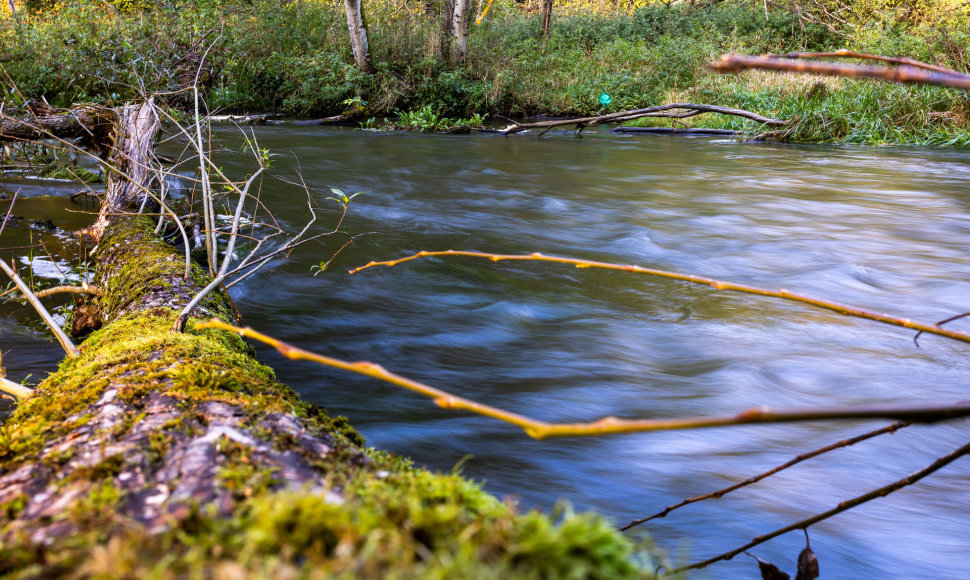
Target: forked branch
{"points": [[754, 479], [607, 425], [716, 284], [843, 506]]}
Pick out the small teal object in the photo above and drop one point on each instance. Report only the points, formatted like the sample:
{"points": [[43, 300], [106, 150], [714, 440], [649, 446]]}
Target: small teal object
{"points": [[605, 100]]}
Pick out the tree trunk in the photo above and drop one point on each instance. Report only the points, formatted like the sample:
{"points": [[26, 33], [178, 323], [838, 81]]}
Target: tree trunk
{"points": [[131, 163], [461, 23], [156, 453], [546, 17], [447, 26], [357, 24]]}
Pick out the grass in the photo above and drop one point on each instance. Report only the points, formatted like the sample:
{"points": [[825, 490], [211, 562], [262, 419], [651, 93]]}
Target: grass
{"points": [[295, 58]]}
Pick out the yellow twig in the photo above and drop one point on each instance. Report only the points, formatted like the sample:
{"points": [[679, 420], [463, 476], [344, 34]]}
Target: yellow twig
{"points": [[716, 284], [484, 12], [607, 425]]}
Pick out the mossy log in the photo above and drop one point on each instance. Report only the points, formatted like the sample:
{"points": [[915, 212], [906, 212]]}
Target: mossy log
{"points": [[164, 454]]}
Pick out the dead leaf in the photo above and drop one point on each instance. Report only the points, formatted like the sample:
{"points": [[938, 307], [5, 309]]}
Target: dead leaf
{"points": [[807, 563], [768, 570]]}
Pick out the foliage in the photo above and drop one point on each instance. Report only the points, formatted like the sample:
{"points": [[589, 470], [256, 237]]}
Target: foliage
{"points": [[295, 58], [428, 120]]}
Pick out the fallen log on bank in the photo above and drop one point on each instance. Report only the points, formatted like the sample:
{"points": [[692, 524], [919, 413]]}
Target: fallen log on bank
{"points": [[93, 124], [670, 111], [157, 452]]}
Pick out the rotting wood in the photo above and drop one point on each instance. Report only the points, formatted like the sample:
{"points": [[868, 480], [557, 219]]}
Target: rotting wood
{"points": [[131, 165]]}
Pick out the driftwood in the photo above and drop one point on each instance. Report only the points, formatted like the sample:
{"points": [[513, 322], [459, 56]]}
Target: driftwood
{"points": [[671, 111]]}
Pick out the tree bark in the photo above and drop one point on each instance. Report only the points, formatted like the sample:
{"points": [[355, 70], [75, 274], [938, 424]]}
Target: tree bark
{"points": [[461, 23], [447, 26], [131, 163], [357, 25], [546, 17]]}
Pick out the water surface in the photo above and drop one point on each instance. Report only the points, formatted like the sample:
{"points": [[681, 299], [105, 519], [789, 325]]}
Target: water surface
{"points": [[885, 229]]}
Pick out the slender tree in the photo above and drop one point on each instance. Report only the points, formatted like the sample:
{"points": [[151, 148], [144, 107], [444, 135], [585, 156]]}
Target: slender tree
{"points": [[546, 17], [357, 24], [460, 23]]}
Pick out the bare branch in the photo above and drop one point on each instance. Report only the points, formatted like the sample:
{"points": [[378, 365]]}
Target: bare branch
{"points": [[607, 425], [904, 74], [62, 338], [716, 284], [846, 53], [15, 389], [798, 459], [843, 506], [83, 289]]}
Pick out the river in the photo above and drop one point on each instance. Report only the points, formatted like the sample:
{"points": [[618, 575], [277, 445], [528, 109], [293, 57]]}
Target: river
{"points": [[881, 228]]}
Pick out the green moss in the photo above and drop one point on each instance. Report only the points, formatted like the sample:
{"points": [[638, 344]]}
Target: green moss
{"points": [[59, 170]]}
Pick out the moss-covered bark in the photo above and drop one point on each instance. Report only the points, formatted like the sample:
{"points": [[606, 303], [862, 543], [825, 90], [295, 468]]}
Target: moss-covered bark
{"points": [[163, 454]]}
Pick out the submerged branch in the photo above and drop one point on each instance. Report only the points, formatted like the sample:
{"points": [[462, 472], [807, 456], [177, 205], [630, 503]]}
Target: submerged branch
{"points": [[843, 506], [607, 425], [796, 460], [716, 284], [673, 110]]}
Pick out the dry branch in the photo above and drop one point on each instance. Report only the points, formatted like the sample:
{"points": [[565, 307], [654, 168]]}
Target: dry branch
{"points": [[62, 338], [607, 425], [15, 389], [798, 459], [673, 110], [843, 506], [716, 284], [846, 53], [903, 74], [83, 289]]}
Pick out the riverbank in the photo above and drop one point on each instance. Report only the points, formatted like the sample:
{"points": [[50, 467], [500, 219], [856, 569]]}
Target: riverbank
{"points": [[295, 58]]}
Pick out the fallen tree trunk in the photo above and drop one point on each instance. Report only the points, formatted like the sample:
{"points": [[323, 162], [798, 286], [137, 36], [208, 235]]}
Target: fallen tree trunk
{"points": [[672, 110], [94, 124], [163, 453]]}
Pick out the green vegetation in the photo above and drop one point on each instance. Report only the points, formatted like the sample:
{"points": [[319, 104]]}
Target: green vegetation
{"points": [[295, 57]]}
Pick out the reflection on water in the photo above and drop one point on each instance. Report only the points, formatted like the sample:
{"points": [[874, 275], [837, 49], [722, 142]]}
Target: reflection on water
{"points": [[881, 229]]}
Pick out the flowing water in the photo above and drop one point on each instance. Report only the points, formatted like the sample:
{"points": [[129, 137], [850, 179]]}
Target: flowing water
{"points": [[884, 229]]}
